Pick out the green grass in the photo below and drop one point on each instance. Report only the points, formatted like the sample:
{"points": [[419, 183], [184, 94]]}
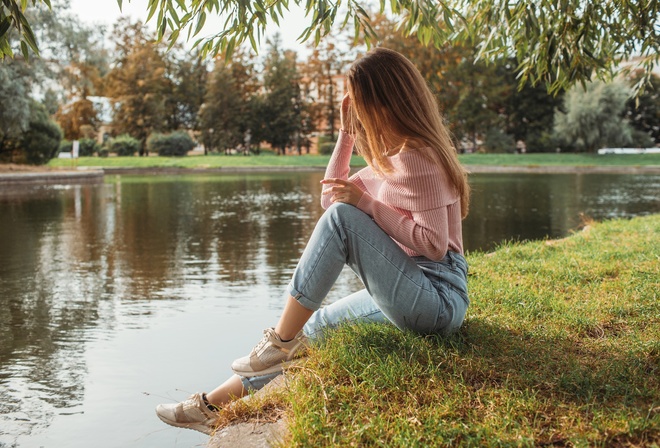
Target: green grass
{"points": [[561, 347], [315, 161], [211, 161], [561, 159]]}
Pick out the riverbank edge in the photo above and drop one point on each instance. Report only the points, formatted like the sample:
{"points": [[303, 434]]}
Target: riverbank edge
{"points": [[51, 177], [93, 174]]}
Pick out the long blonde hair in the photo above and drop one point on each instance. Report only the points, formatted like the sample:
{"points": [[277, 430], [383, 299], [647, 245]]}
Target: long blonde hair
{"points": [[392, 106]]}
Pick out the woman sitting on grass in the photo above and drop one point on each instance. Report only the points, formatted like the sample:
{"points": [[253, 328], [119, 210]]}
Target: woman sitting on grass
{"points": [[396, 223]]}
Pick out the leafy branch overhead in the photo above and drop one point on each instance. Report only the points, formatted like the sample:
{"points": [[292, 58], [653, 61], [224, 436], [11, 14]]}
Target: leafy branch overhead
{"points": [[12, 18], [555, 42]]}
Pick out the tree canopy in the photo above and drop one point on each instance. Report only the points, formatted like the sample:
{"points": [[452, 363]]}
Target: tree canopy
{"points": [[555, 42]]}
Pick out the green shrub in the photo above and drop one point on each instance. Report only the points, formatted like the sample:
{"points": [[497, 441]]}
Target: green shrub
{"points": [[88, 147], [41, 141], [175, 144], [325, 144], [541, 142], [326, 148], [65, 146], [641, 139], [124, 145], [498, 141]]}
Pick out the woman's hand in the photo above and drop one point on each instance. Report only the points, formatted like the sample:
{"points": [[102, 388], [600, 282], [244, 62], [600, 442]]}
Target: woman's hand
{"points": [[342, 191], [345, 114]]}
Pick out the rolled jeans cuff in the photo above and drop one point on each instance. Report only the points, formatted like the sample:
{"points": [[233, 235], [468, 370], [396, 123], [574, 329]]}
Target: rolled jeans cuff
{"points": [[301, 299], [255, 383]]}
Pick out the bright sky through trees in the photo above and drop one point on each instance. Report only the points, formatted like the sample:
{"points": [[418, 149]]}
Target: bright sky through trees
{"points": [[107, 12]]}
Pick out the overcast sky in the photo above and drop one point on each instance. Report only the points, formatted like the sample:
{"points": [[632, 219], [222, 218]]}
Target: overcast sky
{"points": [[107, 12]]}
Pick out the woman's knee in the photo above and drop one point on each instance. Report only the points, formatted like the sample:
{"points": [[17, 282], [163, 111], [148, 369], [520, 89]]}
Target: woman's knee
{"points": [[340, 212], [339, 208]]}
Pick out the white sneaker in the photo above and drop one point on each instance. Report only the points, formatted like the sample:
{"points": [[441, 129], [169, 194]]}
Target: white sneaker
{"points": [[192, 414], [270, 355]]}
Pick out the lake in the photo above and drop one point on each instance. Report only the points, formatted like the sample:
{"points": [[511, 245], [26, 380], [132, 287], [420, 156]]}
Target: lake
{"points": [[117, 296]]}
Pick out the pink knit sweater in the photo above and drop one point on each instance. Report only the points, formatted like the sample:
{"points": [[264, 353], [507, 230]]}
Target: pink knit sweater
{"points": [[415, 204]]}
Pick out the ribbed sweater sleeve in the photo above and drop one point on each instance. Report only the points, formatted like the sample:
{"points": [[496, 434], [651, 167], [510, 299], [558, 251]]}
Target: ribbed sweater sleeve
{"points": [[339, 165]]}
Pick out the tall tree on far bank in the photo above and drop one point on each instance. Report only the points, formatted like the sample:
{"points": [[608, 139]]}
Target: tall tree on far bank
{"points": [[227, 116], [643, 112], [321, 71], [137, 84], [188, 73], [593, 117], [219, 117], [280, 111], [15, 100], [529, 112]]}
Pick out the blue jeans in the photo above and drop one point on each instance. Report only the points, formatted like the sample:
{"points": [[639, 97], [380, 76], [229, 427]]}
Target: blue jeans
{"points": [[413, 293]]}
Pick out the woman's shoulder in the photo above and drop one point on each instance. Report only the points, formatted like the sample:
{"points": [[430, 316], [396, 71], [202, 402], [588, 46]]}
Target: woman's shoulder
{"points": [[409, 166], [419, 182]]}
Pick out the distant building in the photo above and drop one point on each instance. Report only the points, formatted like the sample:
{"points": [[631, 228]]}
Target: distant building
{"points": [[103, 108]]}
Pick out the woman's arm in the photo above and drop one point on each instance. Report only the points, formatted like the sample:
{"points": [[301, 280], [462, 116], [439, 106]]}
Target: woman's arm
{"points": [[339, 166], [425, 232]]}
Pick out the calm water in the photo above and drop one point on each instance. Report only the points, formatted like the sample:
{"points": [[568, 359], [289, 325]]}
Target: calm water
{"points": [[117, 296]]}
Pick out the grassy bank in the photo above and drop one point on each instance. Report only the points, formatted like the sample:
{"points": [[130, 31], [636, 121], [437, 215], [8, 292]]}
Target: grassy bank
{"points": [[561, 347], [268, 159]]}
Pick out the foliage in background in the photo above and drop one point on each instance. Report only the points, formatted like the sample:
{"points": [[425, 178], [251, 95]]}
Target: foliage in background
{"points": [[319, 72], [15, 111], [38, 143], [280, 104], [124, 145], [593, 117], [474, 96], [74, 117], [188, 72], [497, 140], [137, 84], [226, 114], [529, 111], [325, 145], [87, 147], [643, 112], [175, 144], [554, 43], [73, 61]]}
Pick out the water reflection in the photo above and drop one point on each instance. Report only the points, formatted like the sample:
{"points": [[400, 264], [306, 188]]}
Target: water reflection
{"points": [[86, 264], [536, 206]]}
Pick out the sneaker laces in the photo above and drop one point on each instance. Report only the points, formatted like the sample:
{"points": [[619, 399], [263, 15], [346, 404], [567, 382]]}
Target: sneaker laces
{"points": [[264, 340]]}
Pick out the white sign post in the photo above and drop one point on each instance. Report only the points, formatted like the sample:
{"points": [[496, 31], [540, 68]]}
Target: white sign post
{"points": [[75, 149]]}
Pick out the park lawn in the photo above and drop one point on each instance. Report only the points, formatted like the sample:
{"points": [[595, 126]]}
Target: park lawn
{"points": [[319, 161], [561, 347], [563, 159], [204, 162]]}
